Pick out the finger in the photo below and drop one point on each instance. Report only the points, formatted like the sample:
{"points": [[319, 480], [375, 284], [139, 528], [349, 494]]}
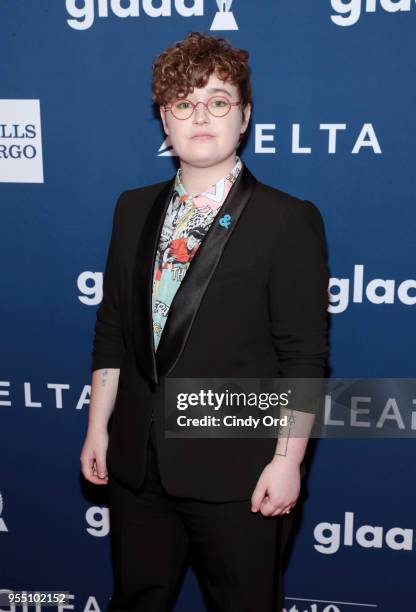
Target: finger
{"points": [[91, 477], [278, 512], [89, 471], [257, 497], [268, 506], [101, 467], [275, 505], [87, 467], [284, 510], [97, 481]]}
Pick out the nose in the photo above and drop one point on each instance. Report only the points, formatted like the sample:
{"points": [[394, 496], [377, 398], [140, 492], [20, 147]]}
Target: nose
{"points": [[200, 113]]}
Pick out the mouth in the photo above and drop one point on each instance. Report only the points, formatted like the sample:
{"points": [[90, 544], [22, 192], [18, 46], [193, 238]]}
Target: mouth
{"points": [[202, 137]]}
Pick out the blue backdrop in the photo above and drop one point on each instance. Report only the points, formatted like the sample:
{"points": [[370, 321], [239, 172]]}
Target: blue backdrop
{"points": [[333, 122]]}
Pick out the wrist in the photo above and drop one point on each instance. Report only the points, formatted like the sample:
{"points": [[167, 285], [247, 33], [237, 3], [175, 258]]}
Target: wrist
{"points": [[97, 428], [286, 459]]}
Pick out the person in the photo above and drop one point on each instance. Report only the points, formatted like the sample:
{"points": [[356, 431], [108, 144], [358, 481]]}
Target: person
{"points": [[211, 273]]}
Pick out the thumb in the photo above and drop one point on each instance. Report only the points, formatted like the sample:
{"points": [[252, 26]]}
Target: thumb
{"points": [[101, 466], [257, 497]]}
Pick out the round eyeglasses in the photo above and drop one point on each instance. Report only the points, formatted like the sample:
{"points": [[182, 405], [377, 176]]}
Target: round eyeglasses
{"points": [[216, 106]]}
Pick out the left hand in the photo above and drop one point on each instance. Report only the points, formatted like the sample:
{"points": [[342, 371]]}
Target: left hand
{"points": [[278, 487]]}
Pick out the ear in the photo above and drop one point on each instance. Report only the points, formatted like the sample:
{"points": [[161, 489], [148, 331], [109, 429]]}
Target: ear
{"points": [[165, 123], [246, 118]]}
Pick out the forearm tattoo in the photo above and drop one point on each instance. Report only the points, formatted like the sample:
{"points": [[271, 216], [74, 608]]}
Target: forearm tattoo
{"points": [[104, 376], [284, 435]]}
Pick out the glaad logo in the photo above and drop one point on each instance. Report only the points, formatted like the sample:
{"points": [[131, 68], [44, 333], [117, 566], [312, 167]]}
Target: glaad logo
{"points": [[224, 18], [328, 536], [90, 285], [349, 11], [83, 16], [98, 519], [377, 291], [3, 526], [83, 12]]}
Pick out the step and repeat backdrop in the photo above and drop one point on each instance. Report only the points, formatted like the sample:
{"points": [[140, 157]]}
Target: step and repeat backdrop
{"points": [[333, 122]]}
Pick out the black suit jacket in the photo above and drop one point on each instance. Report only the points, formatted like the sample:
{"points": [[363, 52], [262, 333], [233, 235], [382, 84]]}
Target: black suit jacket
{"points": [[252, 304]]}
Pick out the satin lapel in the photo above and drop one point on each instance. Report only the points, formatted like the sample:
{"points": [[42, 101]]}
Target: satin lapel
{"points": [[188, 297], [143, 284]]}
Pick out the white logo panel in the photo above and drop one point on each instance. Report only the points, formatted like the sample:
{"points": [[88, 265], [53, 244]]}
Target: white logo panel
{"points": [[21, 158]]}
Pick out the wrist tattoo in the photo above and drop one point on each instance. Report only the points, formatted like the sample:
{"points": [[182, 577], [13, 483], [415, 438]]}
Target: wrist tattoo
{"points": [[282, 451]]}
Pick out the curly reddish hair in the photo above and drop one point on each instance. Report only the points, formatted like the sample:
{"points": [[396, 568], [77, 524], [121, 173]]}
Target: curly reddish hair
{"points": [[190, 62]]}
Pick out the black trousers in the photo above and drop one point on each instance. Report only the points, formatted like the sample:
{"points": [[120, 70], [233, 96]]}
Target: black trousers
{"points": [[237, 554]]}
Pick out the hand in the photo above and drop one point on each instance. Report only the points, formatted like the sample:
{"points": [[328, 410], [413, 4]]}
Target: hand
{"points": [[278, 487], [93, 457]]}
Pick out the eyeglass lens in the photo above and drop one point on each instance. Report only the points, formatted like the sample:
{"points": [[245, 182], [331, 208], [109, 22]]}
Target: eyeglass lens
{"points": [[217, 106]]}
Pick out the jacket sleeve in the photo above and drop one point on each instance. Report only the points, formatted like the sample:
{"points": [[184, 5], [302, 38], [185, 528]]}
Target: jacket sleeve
{"points": [[108, 344], [298, 293]]}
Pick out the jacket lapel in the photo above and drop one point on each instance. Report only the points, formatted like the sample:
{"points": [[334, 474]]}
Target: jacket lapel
{"points": [[143, 284], [188, 297]]}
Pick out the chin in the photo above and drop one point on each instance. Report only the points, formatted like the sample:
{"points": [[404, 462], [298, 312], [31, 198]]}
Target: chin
{"points": [[203, 160]]}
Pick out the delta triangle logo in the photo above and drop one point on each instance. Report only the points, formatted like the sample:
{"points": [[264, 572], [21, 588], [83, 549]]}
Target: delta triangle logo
{"points": [[166, 149]]}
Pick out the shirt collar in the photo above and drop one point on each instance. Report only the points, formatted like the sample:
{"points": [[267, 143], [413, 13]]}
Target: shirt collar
{"points": [[184, 195]]}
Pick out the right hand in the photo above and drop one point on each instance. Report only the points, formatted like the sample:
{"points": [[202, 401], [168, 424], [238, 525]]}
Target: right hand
{"points": [[93, 457]]}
